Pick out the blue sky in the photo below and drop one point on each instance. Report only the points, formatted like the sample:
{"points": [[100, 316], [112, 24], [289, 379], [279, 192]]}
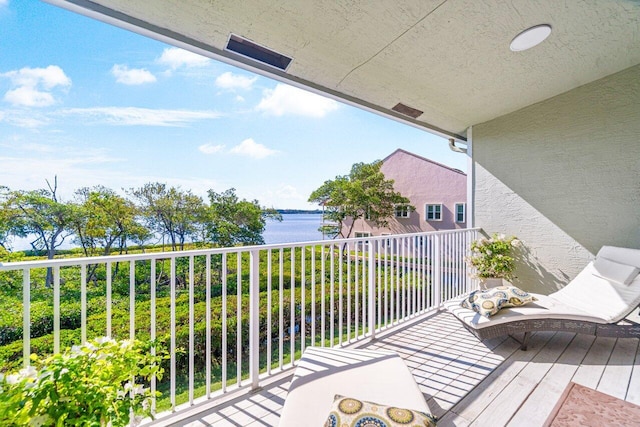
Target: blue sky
{"points": [[97, 105]]}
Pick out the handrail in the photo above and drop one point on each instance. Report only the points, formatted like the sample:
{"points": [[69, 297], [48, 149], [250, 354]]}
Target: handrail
{"points": [[333, 293]]}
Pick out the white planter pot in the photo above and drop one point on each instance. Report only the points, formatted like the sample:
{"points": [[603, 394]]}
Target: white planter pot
{"points": [[492, 282]]}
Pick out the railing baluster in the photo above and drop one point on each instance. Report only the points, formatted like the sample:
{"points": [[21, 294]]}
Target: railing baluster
{"points": [[303, 301], [83, 303], [192, 321], [56, 309], [152, 331], [332, 296], [281, 308], [313, 295], [132, 300], [346, 245], [372, 291], [108, 300], [292, 326], [356, 271], [340, 297], [172, 328], [208, 326], [239, 318], [223, 317], [323, 309], [254, 318], [26, 317], [269, 304]]}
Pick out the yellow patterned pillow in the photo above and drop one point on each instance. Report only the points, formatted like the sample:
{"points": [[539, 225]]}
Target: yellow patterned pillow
{"points": [[490, 301], [353, 412]]}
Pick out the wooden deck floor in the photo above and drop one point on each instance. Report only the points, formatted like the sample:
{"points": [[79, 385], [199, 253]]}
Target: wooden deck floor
{"points": [[472, 383]]}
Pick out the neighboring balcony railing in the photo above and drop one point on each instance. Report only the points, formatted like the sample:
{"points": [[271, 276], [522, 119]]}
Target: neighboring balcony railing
{"points": [[233, 316]]}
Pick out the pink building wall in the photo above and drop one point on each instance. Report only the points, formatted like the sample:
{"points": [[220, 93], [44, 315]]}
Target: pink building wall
{"points": [[424, 182]]}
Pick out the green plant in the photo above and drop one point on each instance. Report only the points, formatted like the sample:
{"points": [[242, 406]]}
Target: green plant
{"points": [[493, 257], [97, 384]]}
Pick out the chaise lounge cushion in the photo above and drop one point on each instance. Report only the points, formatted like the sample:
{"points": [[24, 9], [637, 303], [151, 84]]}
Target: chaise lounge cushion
{"points": [[543, 308], [607, 299], [322, 373], [615, 271]]}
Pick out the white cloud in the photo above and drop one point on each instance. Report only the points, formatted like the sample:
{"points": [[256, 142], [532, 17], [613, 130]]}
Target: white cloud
{"points": [[4, 3], [135, 76], [32, 86], [250, 148], [174, 58], [133, 116], [287, 191], [210, 148], [232, 81], [29, 97], [285, 99], [23, 118]]}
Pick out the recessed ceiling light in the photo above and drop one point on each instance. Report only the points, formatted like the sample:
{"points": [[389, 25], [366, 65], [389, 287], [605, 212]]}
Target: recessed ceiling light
{"points": [[530, 37]]}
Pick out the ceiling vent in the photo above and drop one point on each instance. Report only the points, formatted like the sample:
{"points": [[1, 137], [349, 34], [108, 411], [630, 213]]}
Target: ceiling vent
{"points": [[258, 53], [407, 111]]}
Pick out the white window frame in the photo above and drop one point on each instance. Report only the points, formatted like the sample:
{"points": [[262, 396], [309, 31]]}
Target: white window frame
{"points": [[426, 211], [361, 234], [464, 212], [405, 213]]}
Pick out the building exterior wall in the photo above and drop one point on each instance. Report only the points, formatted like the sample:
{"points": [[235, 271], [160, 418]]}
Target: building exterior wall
{"points": [[564, 176], [423, 182]]}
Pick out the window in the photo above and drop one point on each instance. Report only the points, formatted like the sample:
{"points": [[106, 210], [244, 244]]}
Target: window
{"points": [[461, 212], [434, 212], [362, 234], [402, 211]]}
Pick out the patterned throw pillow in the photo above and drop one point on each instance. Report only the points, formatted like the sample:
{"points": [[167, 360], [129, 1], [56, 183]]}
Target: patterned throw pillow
{"points": [[490, 301], [347, 411]]}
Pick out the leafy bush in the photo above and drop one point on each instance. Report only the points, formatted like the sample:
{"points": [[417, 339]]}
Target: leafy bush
{"points": [[492, 257], [96, 384]]}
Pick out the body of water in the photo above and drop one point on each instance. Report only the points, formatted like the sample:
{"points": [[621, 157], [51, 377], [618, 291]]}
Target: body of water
{"points": [[293, 228]]}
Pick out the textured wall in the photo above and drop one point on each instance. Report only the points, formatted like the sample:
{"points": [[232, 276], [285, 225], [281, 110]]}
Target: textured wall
{"points": [[564, 176]]}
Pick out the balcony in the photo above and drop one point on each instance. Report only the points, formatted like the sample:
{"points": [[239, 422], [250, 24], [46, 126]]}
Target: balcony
{"points": [[471, 383], [243, 316]]}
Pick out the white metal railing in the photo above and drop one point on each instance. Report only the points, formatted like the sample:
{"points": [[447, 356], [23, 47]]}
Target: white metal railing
{"points": [[244, 313]]}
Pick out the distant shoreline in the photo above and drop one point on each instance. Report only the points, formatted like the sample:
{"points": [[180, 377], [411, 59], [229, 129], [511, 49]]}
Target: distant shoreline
{"points": [[299, 211]]}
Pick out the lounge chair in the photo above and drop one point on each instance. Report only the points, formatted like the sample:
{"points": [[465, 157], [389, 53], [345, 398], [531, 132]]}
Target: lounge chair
{"points": [[599, 301]]}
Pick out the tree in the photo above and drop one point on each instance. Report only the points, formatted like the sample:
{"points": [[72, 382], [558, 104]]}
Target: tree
{"points": [[7, 217], [39, 213], [170, 212], [105, 221], [231, 221], [364, 193]]}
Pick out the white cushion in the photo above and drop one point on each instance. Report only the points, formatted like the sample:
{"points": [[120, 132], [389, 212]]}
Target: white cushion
{"points": [[374, 376], [609, 300], [612, 270], [544, 307], [626, 256]]}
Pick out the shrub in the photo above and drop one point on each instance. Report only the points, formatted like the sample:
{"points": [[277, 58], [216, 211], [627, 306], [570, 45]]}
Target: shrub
{"points": [[492, 257], [96, 384]]}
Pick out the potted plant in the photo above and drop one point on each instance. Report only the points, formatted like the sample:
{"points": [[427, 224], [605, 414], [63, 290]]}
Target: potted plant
{"points": [[491, 259]]}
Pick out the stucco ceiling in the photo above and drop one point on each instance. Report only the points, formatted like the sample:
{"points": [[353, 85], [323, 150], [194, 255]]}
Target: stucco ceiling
{"points": [[449, 59]]}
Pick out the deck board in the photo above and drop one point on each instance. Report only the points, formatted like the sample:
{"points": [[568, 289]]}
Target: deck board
{"points": [[471, 383], [539, 404]]}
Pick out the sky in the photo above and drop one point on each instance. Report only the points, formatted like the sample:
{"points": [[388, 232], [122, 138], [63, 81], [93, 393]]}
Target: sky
{"points": [[92, 104]]}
